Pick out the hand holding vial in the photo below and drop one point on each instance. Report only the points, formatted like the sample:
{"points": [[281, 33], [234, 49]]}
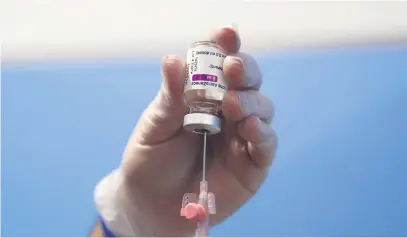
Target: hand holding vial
{"points": [[164, 159]]}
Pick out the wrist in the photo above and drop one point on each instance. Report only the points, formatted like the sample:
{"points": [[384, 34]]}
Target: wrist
{"points": [[125, 214], [113, 206]]}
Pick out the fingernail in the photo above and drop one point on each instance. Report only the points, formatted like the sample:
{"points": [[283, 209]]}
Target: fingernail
{"points": [[170, 57], [232, 60], [256, 124], [235, 59], [232, 26], [257, 120], [243, 101]]}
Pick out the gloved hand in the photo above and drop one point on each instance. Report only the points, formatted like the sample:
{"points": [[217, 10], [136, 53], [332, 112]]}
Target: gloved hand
{"points": [[162, 161]]}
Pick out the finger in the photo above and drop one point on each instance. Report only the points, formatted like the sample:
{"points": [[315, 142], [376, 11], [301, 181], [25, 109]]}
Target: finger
{"points": [[164, 116], [242, 72], [254, 130], [261, 139], [173, 73], [227, 38], [238, 105]]}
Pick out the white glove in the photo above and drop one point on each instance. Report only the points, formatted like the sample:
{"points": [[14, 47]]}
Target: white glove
{"points": [[162, 161]]}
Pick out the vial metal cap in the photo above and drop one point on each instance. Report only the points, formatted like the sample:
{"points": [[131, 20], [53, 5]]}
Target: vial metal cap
{"points": [[202, 122]]}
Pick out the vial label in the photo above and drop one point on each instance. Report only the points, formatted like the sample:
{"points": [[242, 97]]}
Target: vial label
{"points": [[205, 69]]}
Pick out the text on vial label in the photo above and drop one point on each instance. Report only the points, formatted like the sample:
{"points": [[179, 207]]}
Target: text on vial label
{"points": [[205, 68]]}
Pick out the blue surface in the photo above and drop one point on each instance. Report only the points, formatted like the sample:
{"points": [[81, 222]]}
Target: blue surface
{"points": [[340, 170]]}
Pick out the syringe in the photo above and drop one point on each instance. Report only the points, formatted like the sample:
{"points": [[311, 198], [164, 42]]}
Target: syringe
{"points": [[199, 207]]}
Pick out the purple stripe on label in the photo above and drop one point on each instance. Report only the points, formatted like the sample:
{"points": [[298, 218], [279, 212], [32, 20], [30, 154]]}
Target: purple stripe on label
{"points": [[204, 77]]}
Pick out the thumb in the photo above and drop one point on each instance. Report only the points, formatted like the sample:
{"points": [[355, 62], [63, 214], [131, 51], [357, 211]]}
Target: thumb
{"points": [[164, 116]]}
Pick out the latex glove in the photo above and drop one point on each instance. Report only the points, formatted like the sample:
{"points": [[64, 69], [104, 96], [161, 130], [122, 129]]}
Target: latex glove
{"points": [[162, 161]]}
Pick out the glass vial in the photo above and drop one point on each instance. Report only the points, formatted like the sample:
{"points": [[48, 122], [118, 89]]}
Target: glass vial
{"points": [[205, 87]]}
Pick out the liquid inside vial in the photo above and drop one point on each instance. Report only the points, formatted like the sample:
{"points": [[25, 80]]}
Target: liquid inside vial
{"points": [[199, 100], [205, 84]]}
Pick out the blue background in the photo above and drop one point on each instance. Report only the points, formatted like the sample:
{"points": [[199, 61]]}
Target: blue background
{"points": [[340, 170]]}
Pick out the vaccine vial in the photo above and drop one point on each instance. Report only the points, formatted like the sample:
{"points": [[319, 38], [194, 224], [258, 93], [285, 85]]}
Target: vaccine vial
{"points": [[205, 87]]}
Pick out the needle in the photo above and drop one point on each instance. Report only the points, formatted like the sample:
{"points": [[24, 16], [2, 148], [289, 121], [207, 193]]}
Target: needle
{"points": [[204, 158]]}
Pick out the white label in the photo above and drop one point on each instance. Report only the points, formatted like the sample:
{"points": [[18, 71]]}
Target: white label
{"points": [[205, 69]]}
